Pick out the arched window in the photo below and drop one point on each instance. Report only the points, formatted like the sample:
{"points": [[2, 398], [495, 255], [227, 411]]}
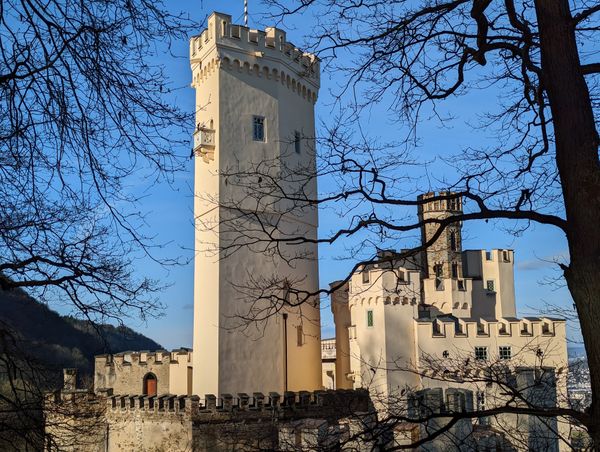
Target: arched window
{"points": [[150, 384]]}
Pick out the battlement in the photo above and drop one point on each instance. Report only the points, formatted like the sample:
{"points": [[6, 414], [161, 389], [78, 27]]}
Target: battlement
{"points": [[502, 329], [254, 51], [133, 358], [440, 202], [334, 400]]}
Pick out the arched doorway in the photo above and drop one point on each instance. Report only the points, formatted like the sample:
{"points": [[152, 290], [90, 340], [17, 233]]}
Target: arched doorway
{"points": [[150, 384]]}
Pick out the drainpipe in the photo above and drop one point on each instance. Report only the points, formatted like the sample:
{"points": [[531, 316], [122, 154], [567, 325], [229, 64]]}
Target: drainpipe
{"points": [[285, 353]]}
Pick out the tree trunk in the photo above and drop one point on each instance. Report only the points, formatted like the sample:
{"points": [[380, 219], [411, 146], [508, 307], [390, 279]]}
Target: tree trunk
{"points": [[579, 169]]}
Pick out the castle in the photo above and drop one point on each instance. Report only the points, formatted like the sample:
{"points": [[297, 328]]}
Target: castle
{"points": [[403, 322]]}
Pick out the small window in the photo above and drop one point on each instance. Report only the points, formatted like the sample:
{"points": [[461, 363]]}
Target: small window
{"points": [[300, 334], [258, 128], [453, 241], [365, 277], [504, 352], [350, 286], [481, 353], [488, 256], [369, 318], [506, 256], [401, 277], [461, 285], [455, 269], [438, 269], [545, 328], [446, 354], [297, 142], [489, 285]]}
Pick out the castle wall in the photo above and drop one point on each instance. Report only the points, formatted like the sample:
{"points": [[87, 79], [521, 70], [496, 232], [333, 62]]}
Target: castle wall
{"points": [[392, 296], [168, 423], [342, 320], [498, 268], [124, 372]]}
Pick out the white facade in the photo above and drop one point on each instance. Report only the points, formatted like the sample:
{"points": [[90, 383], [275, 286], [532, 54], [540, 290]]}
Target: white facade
{"points": [[255, 96], [405, 327]]}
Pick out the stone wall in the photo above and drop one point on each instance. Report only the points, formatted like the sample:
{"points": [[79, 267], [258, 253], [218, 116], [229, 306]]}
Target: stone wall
{"points": [[78, 420], [124, 372]]}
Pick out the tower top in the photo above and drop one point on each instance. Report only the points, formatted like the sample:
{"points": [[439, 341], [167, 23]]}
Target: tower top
{"points": [[450, 202], [238, 44]]}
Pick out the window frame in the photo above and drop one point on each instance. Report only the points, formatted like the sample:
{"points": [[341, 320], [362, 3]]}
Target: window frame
{"points": [[502, 352], [297, 142], [454, 269], [299, 336], [481, 353], [366, 276], [493, 285], [261, 121], [370, 318]]}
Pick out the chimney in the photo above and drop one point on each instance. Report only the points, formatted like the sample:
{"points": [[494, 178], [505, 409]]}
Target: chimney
{"points": [[69, 379]]}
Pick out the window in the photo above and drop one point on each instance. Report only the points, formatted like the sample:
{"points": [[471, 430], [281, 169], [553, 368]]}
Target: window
{"points": [[300, 335], [369, 318], [401, 277], [350, 286], [446, 354], [506, 256], [258, 128], [453, 241], [480, 400], [365, 277], [489, 285], [455, 269], [453, 204], [438, 269], [504, 352], [461, 285], [488, 256], [297, 142], [481, 353]]}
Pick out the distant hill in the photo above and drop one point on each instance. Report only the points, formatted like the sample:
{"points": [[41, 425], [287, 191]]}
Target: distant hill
{"points": [[57, 341]]}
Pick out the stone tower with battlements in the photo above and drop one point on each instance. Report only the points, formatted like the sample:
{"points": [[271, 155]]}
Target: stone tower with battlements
{"points": [[255, 97], [443, 257]]}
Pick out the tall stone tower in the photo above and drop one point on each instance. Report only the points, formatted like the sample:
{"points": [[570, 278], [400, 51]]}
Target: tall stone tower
{"points": [[255, 96], [443, 258], [445, 289]]}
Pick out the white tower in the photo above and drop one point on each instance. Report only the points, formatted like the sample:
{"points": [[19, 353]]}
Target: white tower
{"points": [[255, 96]]}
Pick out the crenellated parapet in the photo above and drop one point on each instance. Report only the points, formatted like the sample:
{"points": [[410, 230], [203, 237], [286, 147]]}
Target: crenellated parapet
{"points": [[503, 329], [265, 54], [126, 372], [166, 404], [229, 407]]}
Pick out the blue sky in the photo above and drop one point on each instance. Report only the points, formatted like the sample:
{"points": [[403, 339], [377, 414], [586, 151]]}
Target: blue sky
{"points": [[170, 215]]}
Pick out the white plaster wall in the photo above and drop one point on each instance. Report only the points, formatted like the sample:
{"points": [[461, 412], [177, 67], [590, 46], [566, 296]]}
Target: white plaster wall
{"points": [[232, 355], [382, 355], [501, 303], [180, 373]]}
